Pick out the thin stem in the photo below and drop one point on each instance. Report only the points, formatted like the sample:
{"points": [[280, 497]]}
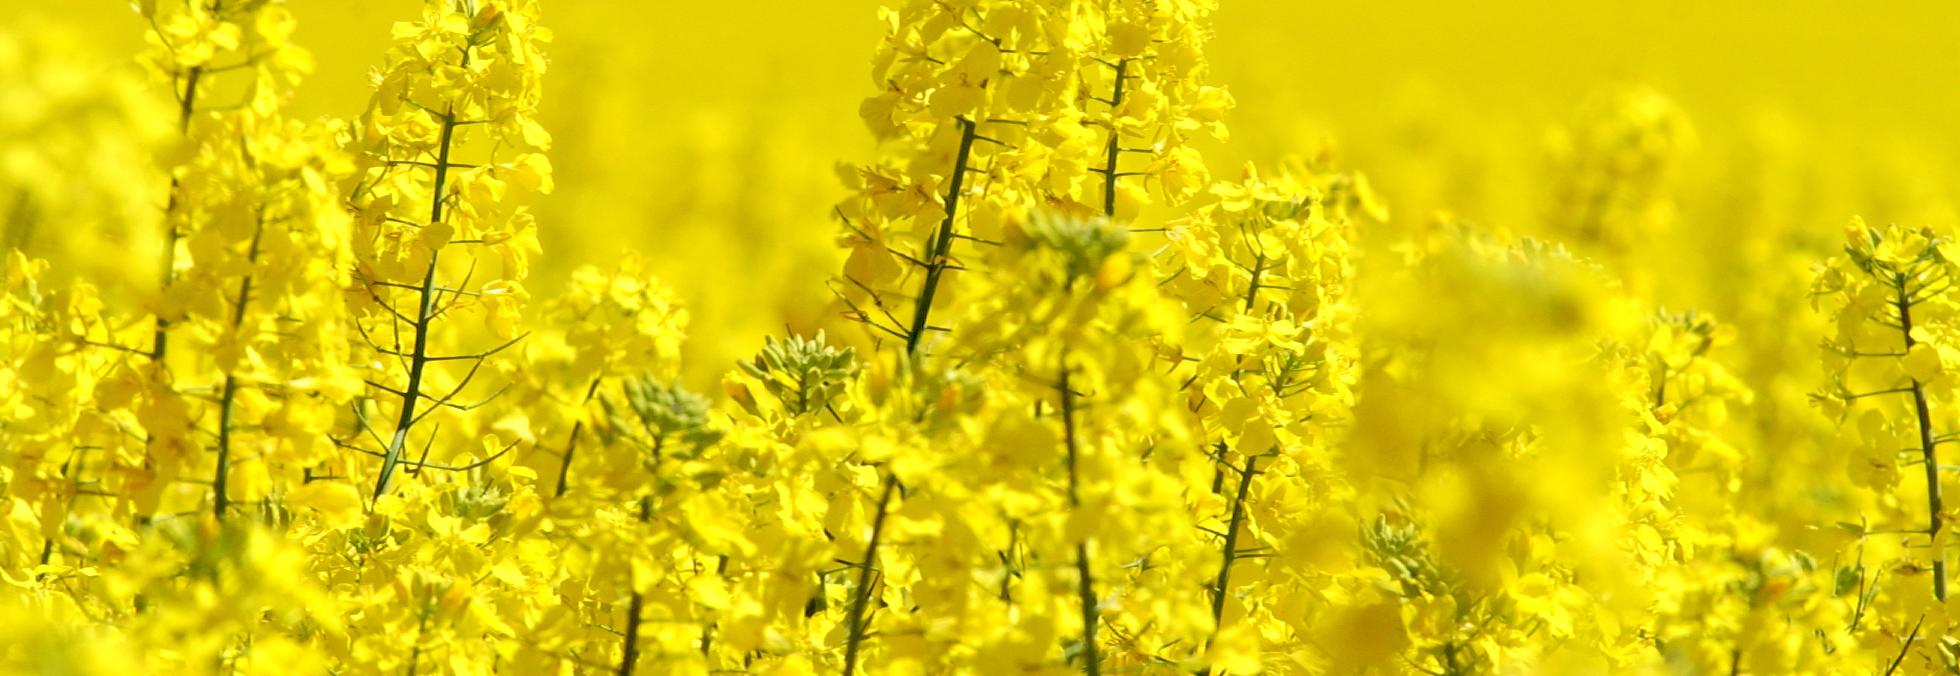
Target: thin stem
{"points": [[1660, 386], [631, 653], [855, 621], [1928, 446], [186, 106], [571, 444], [1218, 469], [221, 482], [1906, 646], [708, 632], [1252, 290], [1113, 151], [419, 357], [1085, 584], [1085, 591], [1218, 589], [942, 241]]}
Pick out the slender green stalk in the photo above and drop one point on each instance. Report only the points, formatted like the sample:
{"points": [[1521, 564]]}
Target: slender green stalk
{"points": [[1252, 290], [1906, 646], [1660, 385], [1085, 591], [1085, 584], [221, 482], [1218, 589], [419, 356], [630, 653], [1115, 148], [221, 478], [941, 247], [861, 598], [1927, 447], [708, 632], [571, 444], [47, 544], [415, 655], [942, 241], [186, 106]]}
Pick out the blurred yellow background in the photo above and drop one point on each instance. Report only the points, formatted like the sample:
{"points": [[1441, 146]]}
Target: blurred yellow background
{"points": [[705, 134]]}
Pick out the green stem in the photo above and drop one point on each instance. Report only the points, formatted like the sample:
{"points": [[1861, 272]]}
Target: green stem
{"points": [[1085, 591], [1218, 470], [415, 655], [861, 598], [1085, 584], [1927, 446], [186, 106], [708, 632], [630, 654], [1115, 149], [419, 356], [1218, 589], [1252, 291], [221, 482], [1906, 646], [941, 249], [942, 241], [571, 444]]}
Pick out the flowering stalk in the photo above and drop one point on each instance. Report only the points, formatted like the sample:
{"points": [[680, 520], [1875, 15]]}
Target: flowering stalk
{"points": [[1881, 280], [186, 107], [571, 444], [635, 610], [1085, 583], [419, 354], [1231, 548], [227, 402], [941, 244], [861, 596], [482, 66], [1115, 149], [1923, 424]]}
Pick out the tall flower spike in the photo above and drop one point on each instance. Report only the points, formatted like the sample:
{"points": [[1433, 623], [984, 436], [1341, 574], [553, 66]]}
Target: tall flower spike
{"points": [[255, 238], [192, 43], [464, 78], [613, 324], [1891, 293], [1073, 330], [1266, 274], [990, 110], [949, 127], [1144, 87]]}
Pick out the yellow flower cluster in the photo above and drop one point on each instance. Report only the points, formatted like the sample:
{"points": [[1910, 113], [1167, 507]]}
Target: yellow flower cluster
{"points": [[1084, 408]]}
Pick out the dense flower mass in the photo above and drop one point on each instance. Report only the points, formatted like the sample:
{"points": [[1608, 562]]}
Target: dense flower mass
{"points": [[1080, 400]]}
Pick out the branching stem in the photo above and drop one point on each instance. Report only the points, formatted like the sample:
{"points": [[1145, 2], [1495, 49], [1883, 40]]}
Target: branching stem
{"points": [[942, 241], [1085, 584], [419, 356], [861, 598], [186, 106], [1218, 589], [630, 653], [221, 481], [1114, 150], [1928, 446], [571, 444]]}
